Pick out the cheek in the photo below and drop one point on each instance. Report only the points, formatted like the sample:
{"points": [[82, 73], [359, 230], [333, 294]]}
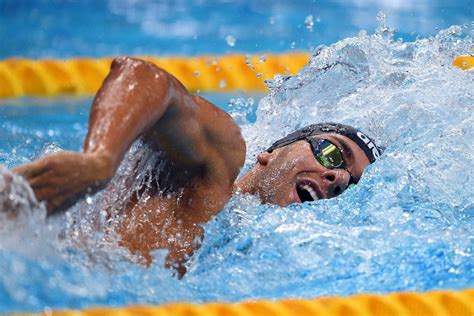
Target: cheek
{"points": [[278, 178]]}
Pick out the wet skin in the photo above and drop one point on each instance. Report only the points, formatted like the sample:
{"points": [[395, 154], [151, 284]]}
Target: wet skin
{"points": [[204, 151], [277, 175]]}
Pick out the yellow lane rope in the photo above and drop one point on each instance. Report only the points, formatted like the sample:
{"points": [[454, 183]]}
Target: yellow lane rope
{"points": [[83, 76], [442, 303]]}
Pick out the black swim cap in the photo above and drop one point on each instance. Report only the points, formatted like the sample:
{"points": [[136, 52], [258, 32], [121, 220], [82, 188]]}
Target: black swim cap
{"points": [[363, 141]]}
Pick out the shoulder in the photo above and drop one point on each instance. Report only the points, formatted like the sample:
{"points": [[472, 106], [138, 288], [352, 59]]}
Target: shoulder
{"points": [[224, 134]]}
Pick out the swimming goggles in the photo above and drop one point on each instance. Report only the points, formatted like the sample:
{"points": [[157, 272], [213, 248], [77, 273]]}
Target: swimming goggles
{"points": [[329, 155]]}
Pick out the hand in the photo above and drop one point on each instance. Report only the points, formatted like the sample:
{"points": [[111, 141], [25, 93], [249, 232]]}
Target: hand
{"points": [[16, 197], [63, 178]]}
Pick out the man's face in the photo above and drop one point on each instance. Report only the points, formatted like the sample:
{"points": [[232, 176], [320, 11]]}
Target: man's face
{"points": [[291, 174]]}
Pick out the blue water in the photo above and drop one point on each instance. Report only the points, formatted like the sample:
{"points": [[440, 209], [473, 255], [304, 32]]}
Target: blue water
{"points": [[408, 225], [56, 28]]}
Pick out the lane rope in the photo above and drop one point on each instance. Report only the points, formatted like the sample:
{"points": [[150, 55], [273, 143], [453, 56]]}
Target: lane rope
{"points": [[83, 76], [442, 303]]}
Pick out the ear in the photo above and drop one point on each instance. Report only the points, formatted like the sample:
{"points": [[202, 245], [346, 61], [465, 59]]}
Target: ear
{"points": [[263, 158]]}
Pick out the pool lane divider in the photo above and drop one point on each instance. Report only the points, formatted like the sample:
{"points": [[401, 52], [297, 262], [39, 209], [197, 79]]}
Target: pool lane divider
{"points": [[21, 77], [83, 76], [436, 303]]}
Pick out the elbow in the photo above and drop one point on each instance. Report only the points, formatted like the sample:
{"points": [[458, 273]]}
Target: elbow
{"points": [[124, 62], [142, 79], [137, 67]]}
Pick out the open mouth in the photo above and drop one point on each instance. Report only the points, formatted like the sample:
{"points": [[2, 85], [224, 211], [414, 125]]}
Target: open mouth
{"points": [[306, 193]]}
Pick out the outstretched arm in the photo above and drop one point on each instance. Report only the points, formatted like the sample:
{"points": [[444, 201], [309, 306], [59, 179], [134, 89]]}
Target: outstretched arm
{"points": [[139, 98]]}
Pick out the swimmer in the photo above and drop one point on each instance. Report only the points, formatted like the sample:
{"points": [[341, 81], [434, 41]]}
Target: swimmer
{"points": [[203, 150]]}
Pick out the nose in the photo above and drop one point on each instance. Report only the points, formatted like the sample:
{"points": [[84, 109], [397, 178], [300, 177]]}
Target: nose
{"points": [[336, 182]]}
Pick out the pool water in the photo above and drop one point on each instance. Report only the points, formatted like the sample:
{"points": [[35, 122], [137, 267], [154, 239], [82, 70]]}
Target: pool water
{"points": [[408, 225], [60, 29]]}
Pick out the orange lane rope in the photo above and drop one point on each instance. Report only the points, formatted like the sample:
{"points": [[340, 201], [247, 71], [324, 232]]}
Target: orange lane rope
{"points": [[83, 76], [442, 303]]}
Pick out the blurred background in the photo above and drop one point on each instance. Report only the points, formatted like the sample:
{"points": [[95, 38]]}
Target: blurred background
{"points": [[59, 28]]}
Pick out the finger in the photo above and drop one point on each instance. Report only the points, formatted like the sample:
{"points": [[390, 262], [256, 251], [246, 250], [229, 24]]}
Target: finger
{"points": [[46, 193], [41, 180], [29, 170], [56, 190]]}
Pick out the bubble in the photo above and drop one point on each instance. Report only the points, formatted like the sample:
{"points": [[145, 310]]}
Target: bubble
{"points": [[222, 84]]}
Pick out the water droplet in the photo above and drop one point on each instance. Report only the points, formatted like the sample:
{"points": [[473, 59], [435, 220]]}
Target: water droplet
{"points": [[308, 22], [222, 84], [47, 311], [381, 16], [131, 86], [271, 20], [362, 33], [196, 73], [247, 60], [263, 59], [89, 200], [259, 75], [293, 44], [50, 132], [76, 126], [230, 40]]}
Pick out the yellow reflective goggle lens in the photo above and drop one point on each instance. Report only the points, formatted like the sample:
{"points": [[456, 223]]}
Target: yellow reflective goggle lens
{"points": [[328, 154]]}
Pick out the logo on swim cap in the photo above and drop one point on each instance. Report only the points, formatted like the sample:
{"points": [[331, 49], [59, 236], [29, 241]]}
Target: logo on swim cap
{"points": [[370, 144]]}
